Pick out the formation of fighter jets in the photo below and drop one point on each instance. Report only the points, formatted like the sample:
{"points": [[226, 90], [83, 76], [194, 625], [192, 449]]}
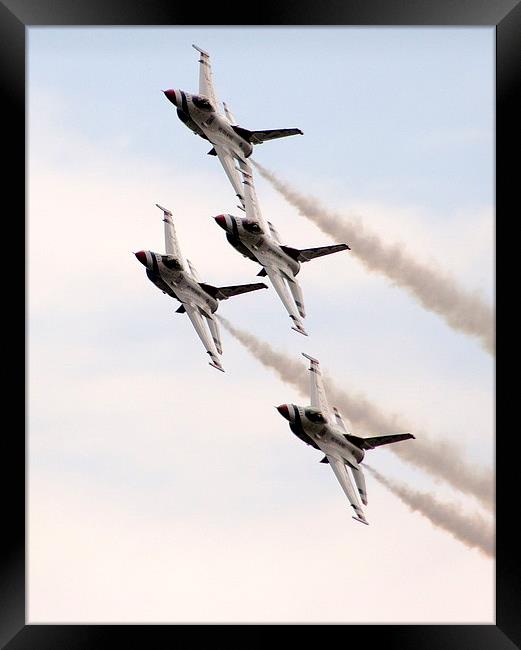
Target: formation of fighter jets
{"points": [[258, 240]]}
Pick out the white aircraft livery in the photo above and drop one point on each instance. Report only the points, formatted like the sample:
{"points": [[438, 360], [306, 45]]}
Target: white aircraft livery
{"points": [[179, 279], [257, 239], [203, 114], [324, 429]]}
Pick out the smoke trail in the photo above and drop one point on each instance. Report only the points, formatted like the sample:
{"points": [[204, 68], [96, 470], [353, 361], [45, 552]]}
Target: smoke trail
{"points": [[440, 458], [473, 531], [437, 292]]}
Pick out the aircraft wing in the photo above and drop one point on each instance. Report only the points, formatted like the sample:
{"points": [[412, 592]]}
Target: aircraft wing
{"points": [[228, 162], [229, 114], [342, 474], [316, 386], [171, 244], [278, 284], [251, 204], [206, 87], [193, 271], [274, 232], [359, 477], [339, 420], [197, 321], [235, 290]]}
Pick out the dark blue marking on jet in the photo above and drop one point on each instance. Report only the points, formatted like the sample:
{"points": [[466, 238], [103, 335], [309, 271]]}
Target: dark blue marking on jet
{"points": [[298, 430]]}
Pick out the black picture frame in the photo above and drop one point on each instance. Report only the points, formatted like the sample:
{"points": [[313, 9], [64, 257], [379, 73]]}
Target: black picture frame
{"points": [[15, 17]]}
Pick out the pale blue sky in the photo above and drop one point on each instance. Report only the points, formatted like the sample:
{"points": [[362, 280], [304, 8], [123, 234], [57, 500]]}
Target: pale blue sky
{"points": [[405, 113], [126, 417]]}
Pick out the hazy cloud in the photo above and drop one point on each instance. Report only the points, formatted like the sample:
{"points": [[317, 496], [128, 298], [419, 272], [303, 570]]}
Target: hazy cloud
{"points": [[472, 530]]}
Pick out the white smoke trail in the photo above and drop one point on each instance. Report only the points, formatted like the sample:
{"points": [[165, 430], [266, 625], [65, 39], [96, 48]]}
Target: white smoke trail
{"points": [[440, 458], [436, 291], [473, 530]]}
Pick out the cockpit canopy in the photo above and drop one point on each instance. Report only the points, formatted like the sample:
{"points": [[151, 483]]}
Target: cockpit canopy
{"points": [[171, 262], [202, 103], [315, 416], [252, 226]]}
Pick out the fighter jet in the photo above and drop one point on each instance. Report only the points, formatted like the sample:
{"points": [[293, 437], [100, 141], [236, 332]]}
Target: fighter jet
{"points": [[199, 300], [258, 240], [204, 116], [325, 430]]}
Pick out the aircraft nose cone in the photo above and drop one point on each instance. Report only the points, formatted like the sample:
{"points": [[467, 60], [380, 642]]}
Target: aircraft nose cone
{"points": [[221, 220], [283, 410], [141, 255], [170, 94]]}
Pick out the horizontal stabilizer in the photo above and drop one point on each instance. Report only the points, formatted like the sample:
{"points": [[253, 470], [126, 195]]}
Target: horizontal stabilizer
{"points": [[180, 310], [262, 273], [228, 292], [324, 460], [377, 441], [258, 137], [212, 152], [307, 254], [223, 293]]}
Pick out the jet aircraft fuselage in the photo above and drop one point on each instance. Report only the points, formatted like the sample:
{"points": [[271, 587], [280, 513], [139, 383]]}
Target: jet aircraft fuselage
{"points": [[310, 425], [167, 274], [248, 237], [199, 115]]}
